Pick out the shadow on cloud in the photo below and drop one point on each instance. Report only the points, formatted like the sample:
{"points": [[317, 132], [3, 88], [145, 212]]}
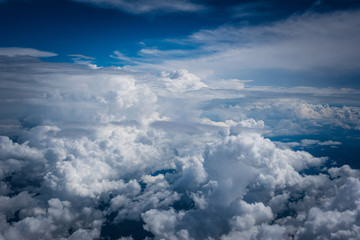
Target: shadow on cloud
{"points": [[109, 154]]}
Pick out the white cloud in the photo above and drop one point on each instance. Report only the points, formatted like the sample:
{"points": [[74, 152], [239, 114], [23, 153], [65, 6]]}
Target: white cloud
{"points": [[120, 56], [248, 158], [18, 52], [303, 42], [234, 84], [330, 224], [162, 223], [181, 81], [160, 53], [310, 143], [91, 149], [142, 7], [295, 115], [81, 56], [84, 60]]}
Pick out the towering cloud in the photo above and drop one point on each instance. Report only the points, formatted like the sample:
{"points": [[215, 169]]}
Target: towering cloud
{"points": [[89, 154]]}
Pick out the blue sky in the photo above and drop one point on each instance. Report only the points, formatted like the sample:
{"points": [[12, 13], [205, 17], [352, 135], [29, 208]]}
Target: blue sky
{"points": [[170, 36], [181, 120]]}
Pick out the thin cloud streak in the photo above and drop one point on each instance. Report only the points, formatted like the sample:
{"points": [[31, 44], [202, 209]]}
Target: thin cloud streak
{"points": [[29, 52], [145, 7]]}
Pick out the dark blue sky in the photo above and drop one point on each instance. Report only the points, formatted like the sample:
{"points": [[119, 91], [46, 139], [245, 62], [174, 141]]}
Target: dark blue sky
{"points": [[68, 27]]}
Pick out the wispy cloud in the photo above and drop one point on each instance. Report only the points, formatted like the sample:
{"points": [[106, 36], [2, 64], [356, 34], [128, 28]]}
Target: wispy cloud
{"points": [[84, 60], [150, 6], [80, 56], [30, 52], [162, 53], [122, 57], [306, 42]]}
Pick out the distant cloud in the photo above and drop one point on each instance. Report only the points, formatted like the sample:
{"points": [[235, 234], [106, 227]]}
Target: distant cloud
{"points": [[18, 52], [161, 53], [311, 143], [84, 60], [122, 57], [181, 81], [298, 116], [306, 42], [150, 6], [81, 56]]}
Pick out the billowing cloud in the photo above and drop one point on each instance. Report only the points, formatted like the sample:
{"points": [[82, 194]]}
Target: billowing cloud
{"points": [[182, 80], [105, 153]]}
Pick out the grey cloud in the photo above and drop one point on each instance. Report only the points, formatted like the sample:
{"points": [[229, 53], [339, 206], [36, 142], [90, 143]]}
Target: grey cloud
{"points": [[30, 52]]}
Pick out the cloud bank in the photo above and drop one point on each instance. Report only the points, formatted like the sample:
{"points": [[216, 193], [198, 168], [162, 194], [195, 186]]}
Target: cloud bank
{"points": [[319, 42], [109, 154]]}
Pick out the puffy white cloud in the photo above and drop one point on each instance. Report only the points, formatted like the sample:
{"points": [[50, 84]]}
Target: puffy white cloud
{"points": [[21, 201], [29, 227], [251, 215], [95, 148], [192, 173], [262, 231], [162, 223], [181, 81], [240, 167], [330, 224], [258, 160]]}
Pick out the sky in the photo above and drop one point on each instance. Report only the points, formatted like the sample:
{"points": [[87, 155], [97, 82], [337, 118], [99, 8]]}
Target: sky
{"points": [[179, 120]]}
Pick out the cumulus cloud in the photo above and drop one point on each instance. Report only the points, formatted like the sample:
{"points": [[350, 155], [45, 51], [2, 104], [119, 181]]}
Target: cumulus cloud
{"points": [[181, 81], [345, 117], [296, 116], [110, 154], [248, 196]]}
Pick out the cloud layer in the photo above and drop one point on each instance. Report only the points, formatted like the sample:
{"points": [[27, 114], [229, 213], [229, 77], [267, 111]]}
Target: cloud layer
{"points": [[20, 52], [88, 153], [306, 42]]}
